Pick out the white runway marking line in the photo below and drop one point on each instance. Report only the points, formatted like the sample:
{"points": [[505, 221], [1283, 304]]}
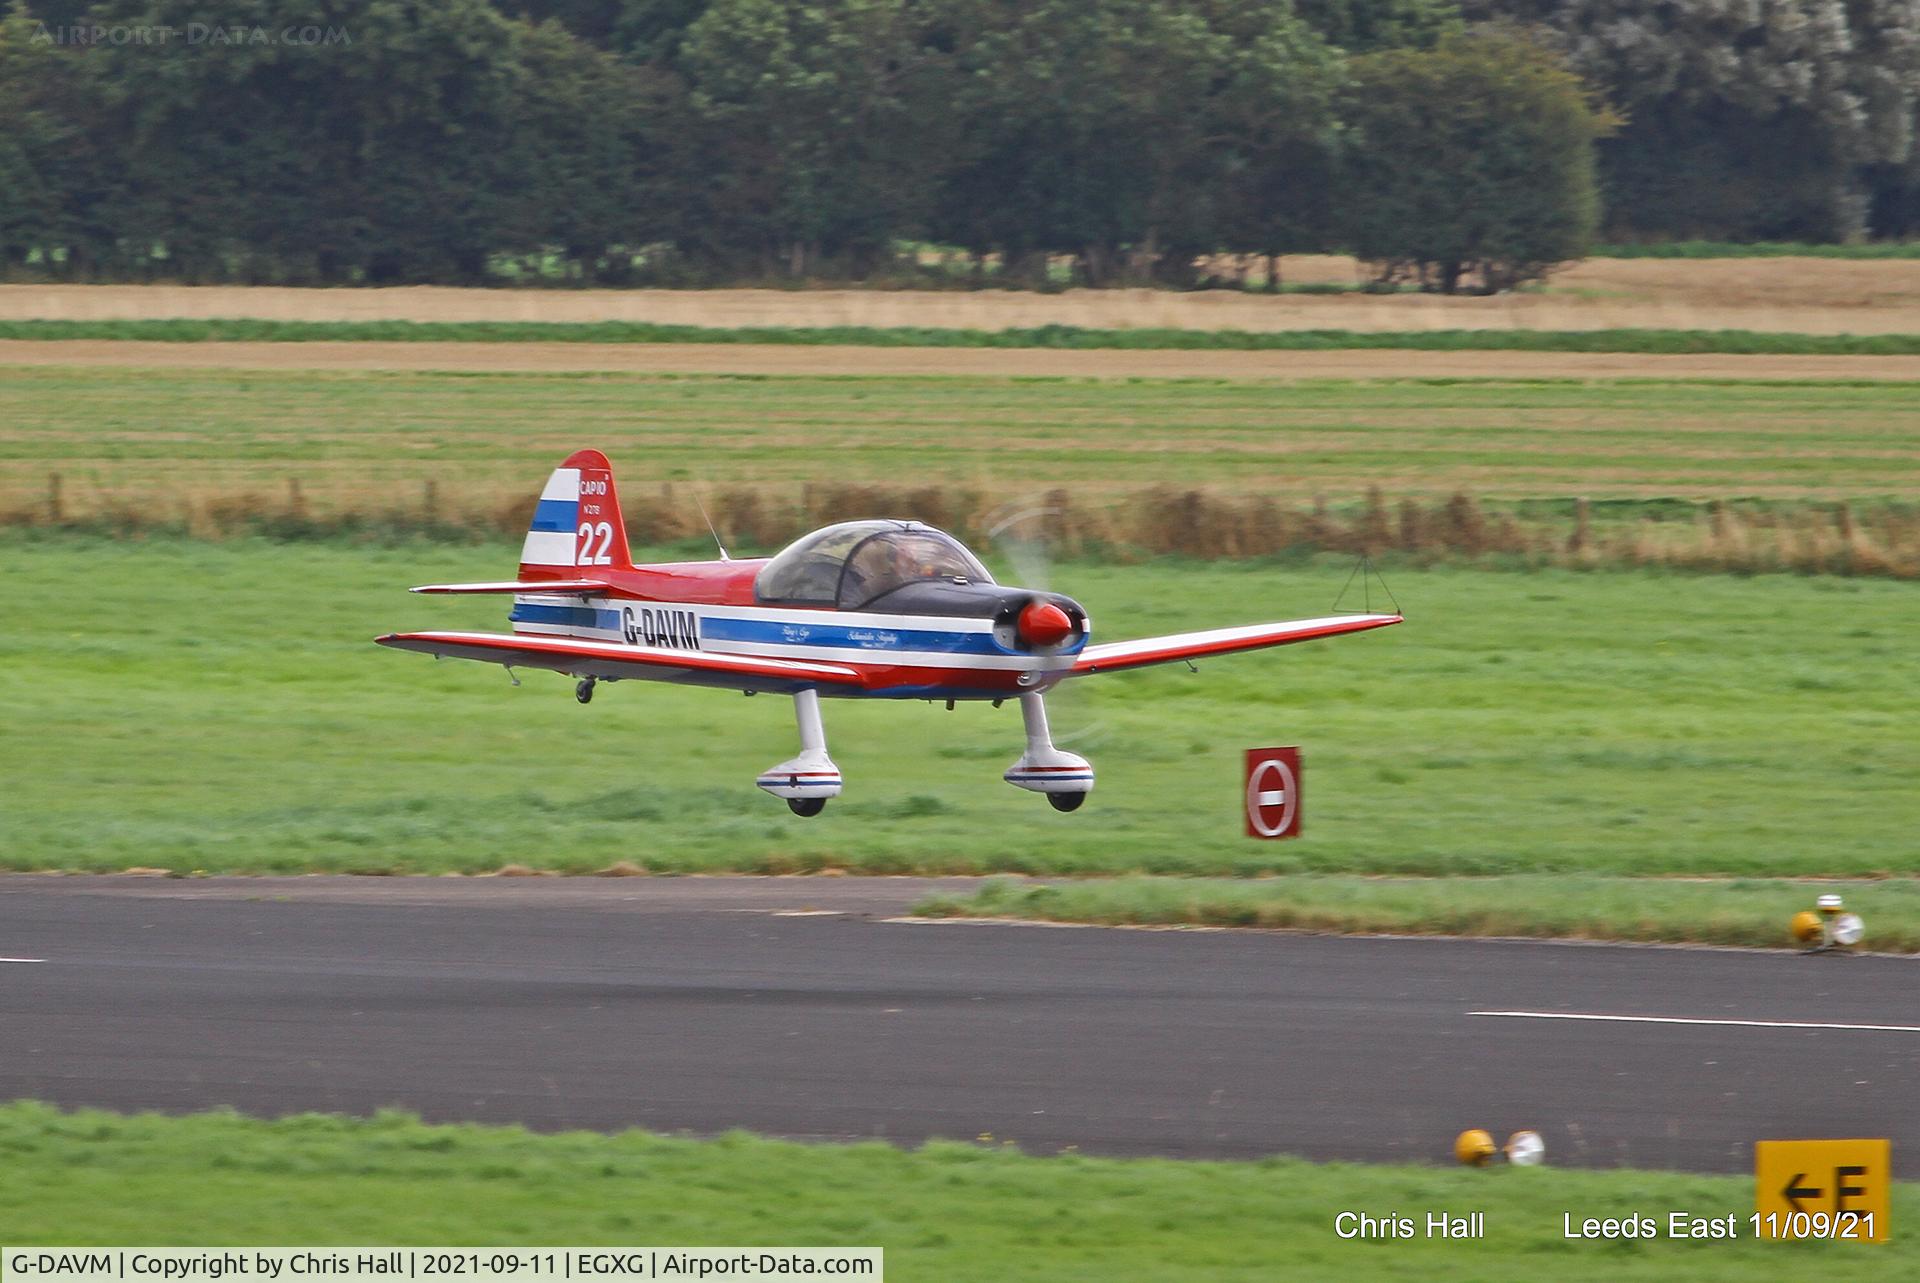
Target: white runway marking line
{"points": [[1698, 1020], [22, 959]]}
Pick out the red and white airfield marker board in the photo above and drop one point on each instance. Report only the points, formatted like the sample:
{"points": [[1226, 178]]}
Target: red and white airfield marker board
{"points": [[1273, 793]]}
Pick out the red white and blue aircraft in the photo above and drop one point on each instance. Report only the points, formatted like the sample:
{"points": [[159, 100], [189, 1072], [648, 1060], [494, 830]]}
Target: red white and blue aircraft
{"points": [[862, 609]]}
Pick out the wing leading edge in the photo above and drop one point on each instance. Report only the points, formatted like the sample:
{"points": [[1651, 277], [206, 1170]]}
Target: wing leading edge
{"points": [[612, 660], [1112, 656]]}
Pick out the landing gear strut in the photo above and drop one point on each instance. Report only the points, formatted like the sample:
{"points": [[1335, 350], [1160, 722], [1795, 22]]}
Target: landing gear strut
{"points": [[1066, 778], [806, 781], [583, 690]]}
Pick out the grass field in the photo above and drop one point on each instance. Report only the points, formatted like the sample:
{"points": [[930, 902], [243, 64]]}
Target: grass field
{"points": [[219, 706], [161, 439], [1745, 476], [948, 1211], [1069, 337]]}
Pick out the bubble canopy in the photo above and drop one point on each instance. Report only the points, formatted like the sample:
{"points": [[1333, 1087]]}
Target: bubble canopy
{"points": [[855, 563]]}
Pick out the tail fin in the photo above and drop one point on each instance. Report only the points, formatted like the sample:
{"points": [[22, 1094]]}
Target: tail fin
{"points": [[578, 523]]}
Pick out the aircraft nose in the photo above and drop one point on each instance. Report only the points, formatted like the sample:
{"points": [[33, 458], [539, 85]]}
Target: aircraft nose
{"points": [[1042, 623]]}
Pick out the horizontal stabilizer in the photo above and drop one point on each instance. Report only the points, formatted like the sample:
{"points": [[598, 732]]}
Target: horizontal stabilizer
{"points": [[1112, 656], [614, 660], [558, 587]]}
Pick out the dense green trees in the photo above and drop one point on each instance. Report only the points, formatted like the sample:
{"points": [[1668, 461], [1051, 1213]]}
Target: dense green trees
{"points": [[818, 127], [436, 137], [1127, 134], [457, 140], [1470, 163], [1748, 119]]}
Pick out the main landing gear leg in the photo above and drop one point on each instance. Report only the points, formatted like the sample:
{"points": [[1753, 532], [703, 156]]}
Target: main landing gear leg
{"points": [[806, 781], [1066, 778]]}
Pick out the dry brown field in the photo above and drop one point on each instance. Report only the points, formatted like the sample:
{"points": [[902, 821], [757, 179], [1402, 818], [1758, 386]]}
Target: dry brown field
{"points": [[234, 437], [1789, 295]]}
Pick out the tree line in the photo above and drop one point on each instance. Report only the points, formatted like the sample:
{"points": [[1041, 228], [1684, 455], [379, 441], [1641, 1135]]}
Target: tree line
{"points": [[1454, 145]]}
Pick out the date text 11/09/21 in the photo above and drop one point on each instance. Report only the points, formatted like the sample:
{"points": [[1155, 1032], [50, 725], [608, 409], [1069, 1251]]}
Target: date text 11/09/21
{"points": [[1781, 1225]]}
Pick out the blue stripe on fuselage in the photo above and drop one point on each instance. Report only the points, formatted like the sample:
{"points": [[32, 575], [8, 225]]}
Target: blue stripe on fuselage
{"points": [[567, 616], [557, 514], [722, 628], [848, 637]]}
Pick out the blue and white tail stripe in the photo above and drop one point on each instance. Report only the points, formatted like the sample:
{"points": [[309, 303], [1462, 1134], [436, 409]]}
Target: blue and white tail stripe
{"points": [[556, 514], [551, 537]]}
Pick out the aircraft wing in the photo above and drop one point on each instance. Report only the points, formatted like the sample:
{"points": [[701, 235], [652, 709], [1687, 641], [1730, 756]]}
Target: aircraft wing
{"points": [[558, 587], [612, 660], [1111, 656]]}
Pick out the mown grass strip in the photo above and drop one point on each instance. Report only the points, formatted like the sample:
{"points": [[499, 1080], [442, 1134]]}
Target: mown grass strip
{"points": [[1750, 912], [948, 1211], [1066, 337], [1615, 725]]}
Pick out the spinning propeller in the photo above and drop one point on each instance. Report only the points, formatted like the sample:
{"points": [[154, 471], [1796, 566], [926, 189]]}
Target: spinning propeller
{"points": [[1023, 538]]}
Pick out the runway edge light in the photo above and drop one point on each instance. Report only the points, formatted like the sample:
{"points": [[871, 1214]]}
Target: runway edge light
{"points": [[1474, 1147], [1828, 929], [1526, 1149], [1807, 927]]}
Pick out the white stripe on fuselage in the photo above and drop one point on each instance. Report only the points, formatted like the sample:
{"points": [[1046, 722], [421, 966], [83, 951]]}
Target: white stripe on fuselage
{"points": [[805, 619], [845, 618], [888, 655]]}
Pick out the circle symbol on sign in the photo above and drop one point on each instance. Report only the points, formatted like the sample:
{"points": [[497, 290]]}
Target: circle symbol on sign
{"points": [[1272, 795]]}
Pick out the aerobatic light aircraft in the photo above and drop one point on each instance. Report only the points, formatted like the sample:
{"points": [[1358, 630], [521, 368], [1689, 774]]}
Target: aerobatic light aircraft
{"points": [[863, 609]]}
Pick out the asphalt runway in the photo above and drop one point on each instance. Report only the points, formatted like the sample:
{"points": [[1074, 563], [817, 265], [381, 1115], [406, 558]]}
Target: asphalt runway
{"points": [[803, 1007]]}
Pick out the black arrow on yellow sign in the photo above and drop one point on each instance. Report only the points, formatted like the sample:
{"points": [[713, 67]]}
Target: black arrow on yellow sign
{"points": [[1795, 1191]]}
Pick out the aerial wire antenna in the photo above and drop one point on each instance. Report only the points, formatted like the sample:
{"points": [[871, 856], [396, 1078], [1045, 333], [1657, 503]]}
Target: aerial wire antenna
{"points": [[1368, 576], [710, 530]]}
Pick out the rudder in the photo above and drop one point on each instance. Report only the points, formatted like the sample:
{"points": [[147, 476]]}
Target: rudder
{"points": [[577, 524]]}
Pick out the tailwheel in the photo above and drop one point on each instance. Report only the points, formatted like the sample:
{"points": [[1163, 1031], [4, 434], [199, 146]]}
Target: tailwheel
{"points": [[806, 806], [1066, 801], [583, 690]]}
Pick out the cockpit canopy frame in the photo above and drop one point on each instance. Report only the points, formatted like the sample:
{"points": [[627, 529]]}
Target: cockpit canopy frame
{"points": [[850, 565]]}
